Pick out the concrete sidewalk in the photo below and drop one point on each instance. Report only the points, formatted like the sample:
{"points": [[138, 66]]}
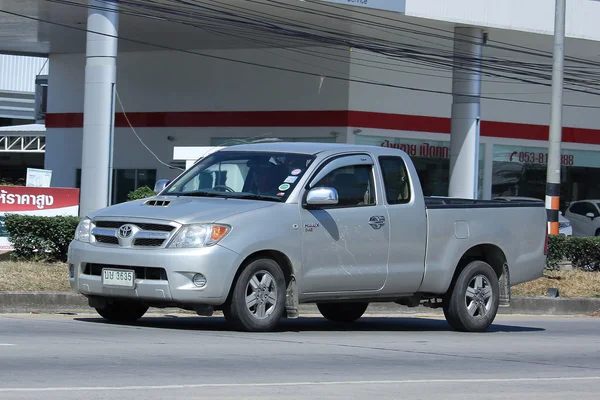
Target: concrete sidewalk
{"points": [[69, 302]]}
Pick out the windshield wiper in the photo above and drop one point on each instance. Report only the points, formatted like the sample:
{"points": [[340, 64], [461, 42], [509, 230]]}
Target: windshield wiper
{"points": [[226, 195], [197, 194], [256, 197]]}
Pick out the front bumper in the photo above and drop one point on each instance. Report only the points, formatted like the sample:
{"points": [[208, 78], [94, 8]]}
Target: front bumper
{"points": [[163, 276]]}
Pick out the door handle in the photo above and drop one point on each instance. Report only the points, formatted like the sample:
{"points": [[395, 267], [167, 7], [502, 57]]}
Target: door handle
{"points": [[377, 221]]}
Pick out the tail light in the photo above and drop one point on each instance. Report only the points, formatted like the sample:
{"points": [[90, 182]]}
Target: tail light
{"points": [[546, 243]]}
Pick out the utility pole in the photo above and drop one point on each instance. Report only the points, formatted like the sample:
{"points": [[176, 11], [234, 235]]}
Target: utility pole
{"points": [[554, 140]]}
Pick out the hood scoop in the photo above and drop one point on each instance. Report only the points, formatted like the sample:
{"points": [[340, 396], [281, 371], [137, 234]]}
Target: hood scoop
{"points": [[158, 203]]}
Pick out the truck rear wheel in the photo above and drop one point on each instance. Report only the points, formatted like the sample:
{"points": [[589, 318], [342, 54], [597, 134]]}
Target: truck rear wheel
{"points": [[472, 303], [258, 299], [122, 311], [342, 312]]}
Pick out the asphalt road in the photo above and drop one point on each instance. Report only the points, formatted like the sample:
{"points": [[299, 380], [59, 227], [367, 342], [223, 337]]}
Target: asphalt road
{"points": [[190, 357]]}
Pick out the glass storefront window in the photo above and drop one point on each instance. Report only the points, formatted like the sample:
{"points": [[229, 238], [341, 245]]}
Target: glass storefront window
{"points": [[125, 181], [521, 171], [431, 159]]}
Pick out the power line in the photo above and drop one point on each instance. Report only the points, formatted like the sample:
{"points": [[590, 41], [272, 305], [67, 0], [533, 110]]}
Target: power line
{"points": [[414, 59], [519, 72], [255, 64], [530, 50]]}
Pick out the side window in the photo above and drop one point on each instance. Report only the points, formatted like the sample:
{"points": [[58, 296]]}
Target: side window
{"points": [[589, 208], [395, 179], [578, 208], [354, 184]]}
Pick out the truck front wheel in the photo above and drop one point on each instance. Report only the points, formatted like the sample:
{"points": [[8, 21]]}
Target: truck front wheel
{"points": [[472, 303], [258, 299], [122, 311], [342, 312]]}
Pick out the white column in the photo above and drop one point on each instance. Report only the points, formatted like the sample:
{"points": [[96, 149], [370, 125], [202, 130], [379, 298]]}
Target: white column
{"points": [[488, 171], [466, 91], [98, 106]]}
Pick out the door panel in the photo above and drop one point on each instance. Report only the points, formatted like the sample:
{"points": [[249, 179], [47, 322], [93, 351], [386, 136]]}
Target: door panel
{"points": [[408, 228], [342, 251], [344, 248]]}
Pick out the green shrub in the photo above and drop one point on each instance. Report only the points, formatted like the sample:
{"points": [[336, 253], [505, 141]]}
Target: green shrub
{"points": [[19, 182], [141, 193], [557, 245], [582, 252], [40, 238]]}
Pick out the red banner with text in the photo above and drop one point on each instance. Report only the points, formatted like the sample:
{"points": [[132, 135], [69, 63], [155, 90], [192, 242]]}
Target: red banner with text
{"points": [[35, 201]]}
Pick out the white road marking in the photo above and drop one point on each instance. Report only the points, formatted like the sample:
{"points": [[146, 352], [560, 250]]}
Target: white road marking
{"points": [[6, 344], [275, 384]]}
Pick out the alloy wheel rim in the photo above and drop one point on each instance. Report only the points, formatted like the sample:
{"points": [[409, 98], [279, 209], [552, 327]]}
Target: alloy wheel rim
{"points": [[479, 296], [261, 295]]}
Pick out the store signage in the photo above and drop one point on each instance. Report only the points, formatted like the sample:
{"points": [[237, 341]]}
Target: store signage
{"points": [[387, 5], [538, 155], [531, 157], [38, 177], [423, 149], [35, 201]]}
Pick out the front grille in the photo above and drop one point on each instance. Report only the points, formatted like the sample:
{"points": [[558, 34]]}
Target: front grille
{"points": [[107, 239], [150, 273], [148, 242], [143, 225]]}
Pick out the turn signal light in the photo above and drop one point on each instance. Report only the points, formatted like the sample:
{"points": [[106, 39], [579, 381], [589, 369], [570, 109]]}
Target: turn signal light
{"points": [[218, 231]]}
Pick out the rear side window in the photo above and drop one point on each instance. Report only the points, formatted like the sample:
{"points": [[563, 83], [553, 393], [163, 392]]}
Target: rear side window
{"points": [[589, 208], [579, 208], [395, 180]]}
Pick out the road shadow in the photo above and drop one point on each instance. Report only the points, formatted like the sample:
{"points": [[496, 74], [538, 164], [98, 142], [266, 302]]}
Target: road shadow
{"points": [[308, 324]]}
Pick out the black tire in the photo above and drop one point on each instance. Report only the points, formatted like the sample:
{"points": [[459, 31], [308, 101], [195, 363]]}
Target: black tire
{"points": [[122, 311], [255, 318], [456, 302], [342, 312]]}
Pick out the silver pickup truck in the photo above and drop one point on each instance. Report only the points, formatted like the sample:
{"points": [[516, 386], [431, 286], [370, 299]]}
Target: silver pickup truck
{"points": [[255, 230]]}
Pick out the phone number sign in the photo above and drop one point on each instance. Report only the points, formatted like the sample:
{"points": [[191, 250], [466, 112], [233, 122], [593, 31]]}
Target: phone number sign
{"points": [[535, 155], [387, 5], [531, 157]]}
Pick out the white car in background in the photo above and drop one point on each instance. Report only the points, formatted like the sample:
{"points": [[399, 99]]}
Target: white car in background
{"points": [[565, 226], [583, 215]]}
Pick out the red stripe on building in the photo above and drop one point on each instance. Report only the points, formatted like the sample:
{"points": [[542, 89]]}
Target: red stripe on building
{"points": [[358, 119], [402, 122]]}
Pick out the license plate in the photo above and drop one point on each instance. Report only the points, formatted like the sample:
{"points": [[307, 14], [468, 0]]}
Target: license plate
{"points": [[118, 277]]}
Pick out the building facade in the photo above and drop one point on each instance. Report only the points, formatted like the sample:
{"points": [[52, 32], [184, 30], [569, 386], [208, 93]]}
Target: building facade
{"points": [[173, 99], [357, 75], [22, 139]]}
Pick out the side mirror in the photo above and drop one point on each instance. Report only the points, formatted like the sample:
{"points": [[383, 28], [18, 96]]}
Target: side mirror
{"points": [[322, 196], [590, 215], [160, 185]]}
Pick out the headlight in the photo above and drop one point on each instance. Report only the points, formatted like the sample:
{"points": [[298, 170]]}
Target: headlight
{"points": [[82, 233], [564, 224], [200, 235]]}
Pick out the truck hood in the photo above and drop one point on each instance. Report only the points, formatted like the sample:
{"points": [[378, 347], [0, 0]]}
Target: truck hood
{"points": [[182, 209]]}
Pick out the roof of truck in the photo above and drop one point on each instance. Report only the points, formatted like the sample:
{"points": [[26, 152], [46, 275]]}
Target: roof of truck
{"points": [[303, 147]]}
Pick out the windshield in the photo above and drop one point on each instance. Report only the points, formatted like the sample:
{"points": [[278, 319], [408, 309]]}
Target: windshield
{"points": [[250, 175]]}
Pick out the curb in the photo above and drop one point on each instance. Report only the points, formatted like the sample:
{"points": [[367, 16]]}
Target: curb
{"points": [[70, 302]]}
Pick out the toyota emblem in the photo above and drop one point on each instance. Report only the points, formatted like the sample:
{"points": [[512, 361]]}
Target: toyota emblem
{"points": [[125, 231]]}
